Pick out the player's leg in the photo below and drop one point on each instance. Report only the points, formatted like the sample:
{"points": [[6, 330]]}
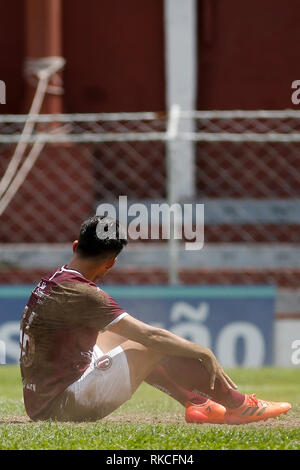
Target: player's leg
{"points": [[187, 373], [141, 360], [192, 375], [158, 377], [198, 408]]}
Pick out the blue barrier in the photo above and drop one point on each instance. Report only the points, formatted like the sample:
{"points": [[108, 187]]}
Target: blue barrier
{"points": [[236, 322]]}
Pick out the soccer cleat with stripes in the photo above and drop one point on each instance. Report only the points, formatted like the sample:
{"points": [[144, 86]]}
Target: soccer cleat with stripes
{"points": [[254, 410], [209, 412]]}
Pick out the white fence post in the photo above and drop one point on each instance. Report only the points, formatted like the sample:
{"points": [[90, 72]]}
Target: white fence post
{"points": [[173, 176]]}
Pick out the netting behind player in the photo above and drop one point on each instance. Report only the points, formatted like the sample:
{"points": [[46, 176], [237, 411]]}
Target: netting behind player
{"points": [[244, 166]]}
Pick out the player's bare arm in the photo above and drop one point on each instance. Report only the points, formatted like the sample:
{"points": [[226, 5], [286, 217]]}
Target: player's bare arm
{"points": [[168, 343]]}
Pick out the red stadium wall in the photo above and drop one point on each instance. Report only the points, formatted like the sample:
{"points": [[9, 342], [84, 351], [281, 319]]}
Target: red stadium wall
{"points": [[12, 33], [115, 56], [248, 53]]}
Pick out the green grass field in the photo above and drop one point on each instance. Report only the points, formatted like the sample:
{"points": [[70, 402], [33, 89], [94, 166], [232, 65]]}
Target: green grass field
{"points": [[153, 421]]}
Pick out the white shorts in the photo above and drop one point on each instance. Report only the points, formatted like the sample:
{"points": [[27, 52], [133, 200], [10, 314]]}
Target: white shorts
{"points": [[103, 387]]}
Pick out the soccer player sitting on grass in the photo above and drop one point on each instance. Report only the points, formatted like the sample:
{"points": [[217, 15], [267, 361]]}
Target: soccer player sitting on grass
{"points": [[82, 355]]}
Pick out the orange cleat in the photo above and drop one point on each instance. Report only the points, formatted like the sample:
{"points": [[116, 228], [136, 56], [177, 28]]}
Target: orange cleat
{"points": [[254, 409], [208, 412]]}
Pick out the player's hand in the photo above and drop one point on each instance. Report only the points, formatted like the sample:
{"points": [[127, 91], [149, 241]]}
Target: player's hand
{"points": [[216, 372]]}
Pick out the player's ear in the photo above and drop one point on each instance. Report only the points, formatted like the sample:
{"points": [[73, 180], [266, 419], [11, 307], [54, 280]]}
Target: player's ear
{"points": [[75, 244]]}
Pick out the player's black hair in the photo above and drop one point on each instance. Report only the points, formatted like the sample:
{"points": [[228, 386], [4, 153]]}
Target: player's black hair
{"points": [[100, 236]]}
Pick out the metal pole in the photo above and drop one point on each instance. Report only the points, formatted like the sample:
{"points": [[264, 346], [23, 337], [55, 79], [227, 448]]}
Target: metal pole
{"points": [[172, 194], [181, 88]]}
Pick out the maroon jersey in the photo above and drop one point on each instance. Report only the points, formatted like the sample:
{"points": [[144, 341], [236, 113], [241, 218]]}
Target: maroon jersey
{"points": [[59, 329]]}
